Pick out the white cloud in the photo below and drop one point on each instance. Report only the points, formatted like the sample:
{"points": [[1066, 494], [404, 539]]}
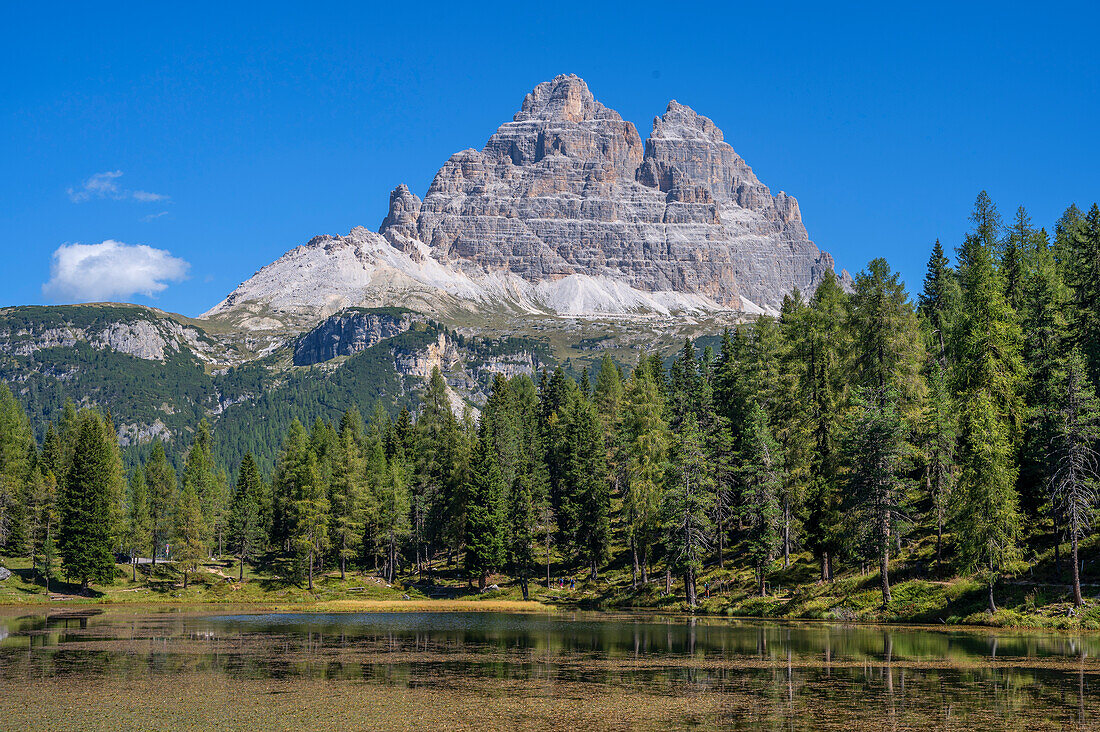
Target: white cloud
{"points": [[153, 217], [110, 270], [105, 185]]}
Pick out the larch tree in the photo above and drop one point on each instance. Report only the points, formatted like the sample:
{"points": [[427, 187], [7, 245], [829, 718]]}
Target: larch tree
{"points": [[875, 489]]}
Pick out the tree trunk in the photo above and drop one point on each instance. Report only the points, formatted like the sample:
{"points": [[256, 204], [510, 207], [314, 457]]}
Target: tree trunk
{"points": [[593, 574], [242, 567], [825, 567], [721, 544], [760, 580], [992, 604], [634, 566], [523, 586], [689, 586], [482, 578], [786, 533], [668, 580], [1057, 544], [311, 570], [885, 571], [343, 567], [645, 566], [1077, 599]]}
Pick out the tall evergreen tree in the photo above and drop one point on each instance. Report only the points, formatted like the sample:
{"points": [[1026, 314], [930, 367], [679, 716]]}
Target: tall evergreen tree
{"points": [[160, 479], [346, 488], [139, 533], [86, 539], [761, 481], [485, 515], [1074, 458], [246, 520], [687, 507], [823, 390], [189, 546], [522, 528], [17, 454], [646, 438], [876, 493]]}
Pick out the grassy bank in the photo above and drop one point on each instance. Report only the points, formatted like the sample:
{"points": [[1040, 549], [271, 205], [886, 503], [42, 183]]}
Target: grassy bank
{"points": [[1033, 599]]}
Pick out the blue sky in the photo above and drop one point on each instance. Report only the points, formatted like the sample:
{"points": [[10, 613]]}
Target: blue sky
{"points": [[219, 137]]}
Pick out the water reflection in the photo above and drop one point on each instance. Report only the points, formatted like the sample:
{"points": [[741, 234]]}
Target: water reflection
{"points": [[796, 675]]}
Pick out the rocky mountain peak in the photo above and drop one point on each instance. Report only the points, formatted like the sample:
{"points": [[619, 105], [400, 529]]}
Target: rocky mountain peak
{"points": [[681, 122], [565, 97], [566, 209]]}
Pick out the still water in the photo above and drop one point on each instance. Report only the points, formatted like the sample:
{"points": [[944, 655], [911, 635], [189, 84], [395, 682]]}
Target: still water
{"points": [[202, 670]]}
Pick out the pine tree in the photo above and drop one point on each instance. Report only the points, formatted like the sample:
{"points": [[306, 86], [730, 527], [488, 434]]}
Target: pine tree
{"points": [[485, 517], [139, 534], [876, 492], [1073, 456], [86, 538], [761, 480], [687, 506], [160, 479], [246, 521]]}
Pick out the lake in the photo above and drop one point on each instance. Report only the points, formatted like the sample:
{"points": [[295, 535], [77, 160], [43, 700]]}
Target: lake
{"points": [[124, 669]]}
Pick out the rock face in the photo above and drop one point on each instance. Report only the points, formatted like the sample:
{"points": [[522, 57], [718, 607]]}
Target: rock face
{"points": [[347, 334], [565, 210]]}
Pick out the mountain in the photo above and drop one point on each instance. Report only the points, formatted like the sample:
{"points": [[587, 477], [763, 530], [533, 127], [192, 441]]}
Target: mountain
{"points": [[563, 239], [564, 211]]}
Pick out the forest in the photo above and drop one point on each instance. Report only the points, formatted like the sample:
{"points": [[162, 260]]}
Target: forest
{"points": [[853, 426]]}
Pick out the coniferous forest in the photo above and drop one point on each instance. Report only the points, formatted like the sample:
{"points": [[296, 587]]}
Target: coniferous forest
{"points": [[889, 439]]}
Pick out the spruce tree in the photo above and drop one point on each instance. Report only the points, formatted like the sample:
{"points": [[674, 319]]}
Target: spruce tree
{"points": [[246, 521], [522, 528], [189, 533], [87, 495], [588, 488], [687, 505], [393, 509], [1073, 456], [761, 480], [139, 534], [485, 517], [160, 479], [824, 391], [1083, 240]]}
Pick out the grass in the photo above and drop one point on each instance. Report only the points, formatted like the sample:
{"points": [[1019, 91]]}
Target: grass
{"points": [[1033, 599]]}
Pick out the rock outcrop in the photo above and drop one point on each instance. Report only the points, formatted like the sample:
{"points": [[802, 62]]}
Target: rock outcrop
{"points": [[566, 210], [347, 334]]}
